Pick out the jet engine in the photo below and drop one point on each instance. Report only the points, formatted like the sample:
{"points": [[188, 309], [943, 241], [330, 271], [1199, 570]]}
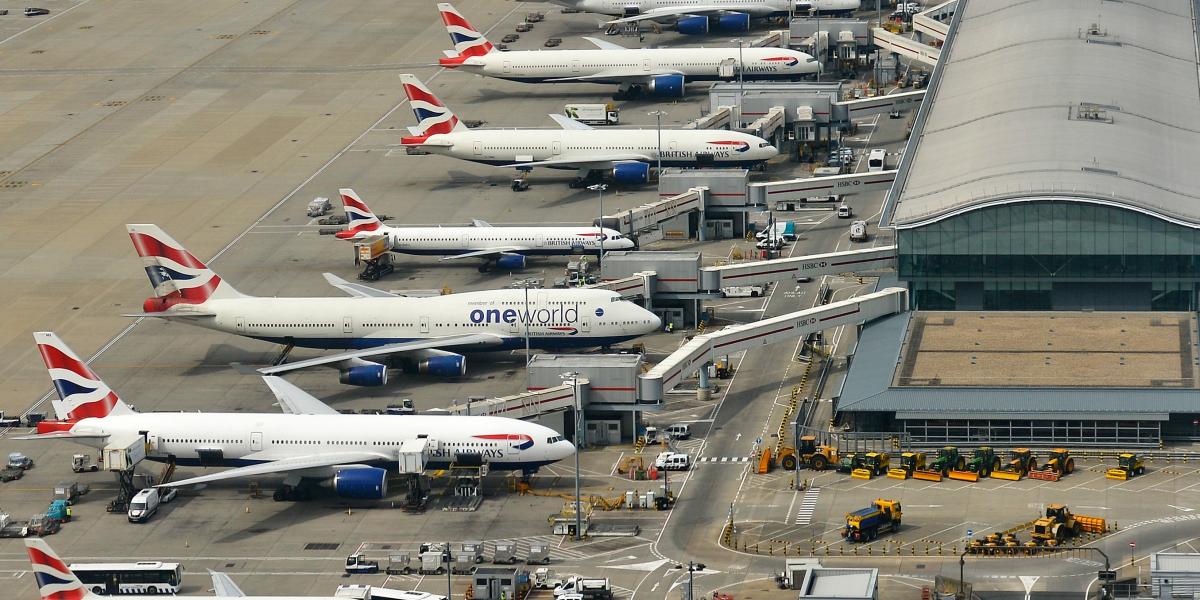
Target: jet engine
{"points": [[368, 483], [692, 25], [669, 86], [364, 375], [511, 262], [734, 22], [631, 172], [450, 365]]}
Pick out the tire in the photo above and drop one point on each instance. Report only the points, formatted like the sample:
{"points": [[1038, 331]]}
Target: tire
{"points": [[1070, 466], [1141, 470], [961, 463], [99, 591], [995, 464], [1032, 466], [789, 463], [820, 462], [279, 496]]}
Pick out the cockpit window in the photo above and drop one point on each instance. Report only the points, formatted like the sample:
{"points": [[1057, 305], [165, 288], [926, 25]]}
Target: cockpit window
{"points": [[557, 438], [764, 144]]}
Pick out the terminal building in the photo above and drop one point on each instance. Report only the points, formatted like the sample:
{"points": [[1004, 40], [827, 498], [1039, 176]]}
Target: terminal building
{"points": [[1051, 166]]}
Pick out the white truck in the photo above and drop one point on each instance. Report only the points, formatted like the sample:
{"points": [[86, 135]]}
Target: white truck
{"points": [[672, 461], [858, 231], [744, 291], [593, 114], [589, 588]]}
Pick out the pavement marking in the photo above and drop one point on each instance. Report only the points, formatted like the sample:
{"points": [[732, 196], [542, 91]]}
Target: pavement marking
{"points": [[42, 22], [723, 459], [808, 505]]}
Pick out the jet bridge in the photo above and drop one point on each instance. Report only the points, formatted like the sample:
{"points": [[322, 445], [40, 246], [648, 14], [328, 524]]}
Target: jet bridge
{"points": [[935, 20], [766, 125], [524, 405], [797, 190], [908, 48], [705, 349], [768, 271], [865, 107], [720, 117], [648, 216]]}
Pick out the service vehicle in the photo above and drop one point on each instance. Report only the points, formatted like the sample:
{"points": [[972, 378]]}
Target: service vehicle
{"points": [[399, 564], [552, 42], [11, 528], [672, 461], [143, 505], [590, 588], [774, 243], [505, 553], [539, 554], [70, 491], [865, 524], [83, 463], [405, 407], [59, 509], [319, 207], [783, 229], [11, 473], [523, 27], [7, 421], [877, 160], [43, 525], [36, 12], [358, 564], [844, 212], [679, 431], [146, 577], [546, 579], [17, 460], [594, 114], [534, 17], [744, 291], [858, 231]]}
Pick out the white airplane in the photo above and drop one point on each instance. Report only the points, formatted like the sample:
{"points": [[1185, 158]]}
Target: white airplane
{"points": [[308, 443], [506, 247], [56, 581], [625, 153], [658, 71], [694, 17], [374, 326]]}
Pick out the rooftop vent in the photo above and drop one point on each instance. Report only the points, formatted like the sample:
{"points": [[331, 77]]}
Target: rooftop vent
{"points": [[1092, 112]]}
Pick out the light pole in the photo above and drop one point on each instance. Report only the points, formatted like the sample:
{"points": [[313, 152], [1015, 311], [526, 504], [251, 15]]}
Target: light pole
{"points": [[741, 82], [574, 377], [446, 558], [692, 568], [599, 189], [659, 114], [528, 355]]}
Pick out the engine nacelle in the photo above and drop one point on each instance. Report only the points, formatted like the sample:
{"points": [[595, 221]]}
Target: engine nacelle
{"points": [[692, 25], [734, 22], [667, 86], [631, 173], [511, 262], [368, 483], [365, 376], [453, 365]]}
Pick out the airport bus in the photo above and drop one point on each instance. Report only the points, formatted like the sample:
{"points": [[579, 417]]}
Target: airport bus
{"points": [[877, 160], [146, 577]]}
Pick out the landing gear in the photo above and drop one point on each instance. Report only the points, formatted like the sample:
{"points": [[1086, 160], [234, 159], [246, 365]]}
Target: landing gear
{"points": [[292, 493], [584, 178], [485, 267], [627, 92]]}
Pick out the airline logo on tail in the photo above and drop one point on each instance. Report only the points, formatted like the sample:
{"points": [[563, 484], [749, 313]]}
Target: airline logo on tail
{"points": [[55, 580], [467, 40], [81, 392], [176, 275], [362, 220], [432, 116]]}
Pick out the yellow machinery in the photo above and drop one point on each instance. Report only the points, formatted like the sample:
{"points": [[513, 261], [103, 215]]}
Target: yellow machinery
{"points": [[1128, 465], [995, 543], [871, 464], [866, 524], [1020, 463], [1059, 465], [1059, 525], [808, 455], [909, 463]]}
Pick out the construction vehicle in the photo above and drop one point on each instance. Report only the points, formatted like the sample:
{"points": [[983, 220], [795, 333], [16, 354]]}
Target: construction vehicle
{"points": [[1128, 465], [1059, 525], [1020, 463], [1059, 465], [909, 463], [995, 543], [356, 563], [81, 463], [808, 455], [870, 465], [983, 462], [849, 463], [866, 524], [947, 459]]}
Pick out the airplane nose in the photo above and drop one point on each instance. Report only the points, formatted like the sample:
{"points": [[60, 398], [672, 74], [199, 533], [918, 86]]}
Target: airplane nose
{"points": [[771, 151], [564, 449], [654, 321]]}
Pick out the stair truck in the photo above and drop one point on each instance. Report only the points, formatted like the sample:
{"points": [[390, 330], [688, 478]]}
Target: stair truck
{"points": [[865, 524]]}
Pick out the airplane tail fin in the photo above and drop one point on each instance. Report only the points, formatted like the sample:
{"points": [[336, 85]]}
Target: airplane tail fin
{"points": [[362, 221], [176, 275], [54, 578], [432, 115], [467, 40], [81, 392]]}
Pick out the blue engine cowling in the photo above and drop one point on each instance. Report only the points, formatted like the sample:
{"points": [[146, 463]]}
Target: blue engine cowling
{"points": [[514, 262], [734, 22], [668, 86], [367, 483], [692, 25], [365, 375], [443, 366], [631, 172]]}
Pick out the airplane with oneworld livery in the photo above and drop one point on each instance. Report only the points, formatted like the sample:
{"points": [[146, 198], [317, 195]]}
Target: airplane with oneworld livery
{"points": [[662, 72], [503, 247], [625, 155], [309, 443], [698, 17], [375, 328]]}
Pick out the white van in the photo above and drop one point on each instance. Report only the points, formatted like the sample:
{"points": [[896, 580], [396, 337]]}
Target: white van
{"points": [[843, 211], [672, 461], [877, 160], [679, 431], [143, 505], [858, 231]]}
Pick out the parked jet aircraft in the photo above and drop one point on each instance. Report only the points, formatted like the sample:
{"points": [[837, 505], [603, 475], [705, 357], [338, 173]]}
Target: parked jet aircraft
{"points": [[374, 325], [624, 153], [658, 71], [693, 17], [504, 247], [310, 443]]}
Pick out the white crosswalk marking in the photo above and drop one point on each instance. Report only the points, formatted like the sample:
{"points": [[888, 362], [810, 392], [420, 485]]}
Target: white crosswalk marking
{"points": [[723, 459], [808, 505]]}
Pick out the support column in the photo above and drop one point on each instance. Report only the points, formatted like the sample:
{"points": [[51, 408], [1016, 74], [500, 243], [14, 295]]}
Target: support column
{"points": [[703, 392]]}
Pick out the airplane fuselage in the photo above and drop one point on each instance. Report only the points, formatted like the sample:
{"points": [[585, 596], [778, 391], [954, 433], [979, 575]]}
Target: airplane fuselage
{"points": [[533, 241], [694, 64], [754, 8]]}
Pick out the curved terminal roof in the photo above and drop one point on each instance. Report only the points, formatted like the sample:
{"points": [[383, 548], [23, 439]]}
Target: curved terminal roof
{"points": [[1074, 99]]}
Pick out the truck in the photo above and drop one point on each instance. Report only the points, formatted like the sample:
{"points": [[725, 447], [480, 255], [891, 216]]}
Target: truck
{"points": [[744, 291], [591, 588], [70, 491], [357, 563], [865, 524], [594, 114], [10, 528], [16, 460], [785, 230], [858, 231], [319, 207]]}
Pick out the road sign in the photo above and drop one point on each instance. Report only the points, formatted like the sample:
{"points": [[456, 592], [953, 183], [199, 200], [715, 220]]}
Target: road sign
{"points": [[1133, 544], [1106, 575], [758, 440], [970, 533]]}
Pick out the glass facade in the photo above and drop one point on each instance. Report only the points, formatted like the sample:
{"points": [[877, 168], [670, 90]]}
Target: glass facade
{"points": [[1051, 255], [1005, 432]]}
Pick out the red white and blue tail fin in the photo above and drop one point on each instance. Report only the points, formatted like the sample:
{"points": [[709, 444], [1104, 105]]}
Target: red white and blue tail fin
{"points": [[467, 40], [54, 579], [362, 222], [433, 117], [176, 275], [81, 392]]}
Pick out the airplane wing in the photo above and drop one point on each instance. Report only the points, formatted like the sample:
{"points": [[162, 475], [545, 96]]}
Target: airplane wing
{"points": [[172, 314], [604, 44], [618, 75], [295, 401], [480, 223], [224, 587], [324, 460], [488, 252], [591, 162], [568, 123], [450, 341], [61, 435], [357, 290], [678, 11]]}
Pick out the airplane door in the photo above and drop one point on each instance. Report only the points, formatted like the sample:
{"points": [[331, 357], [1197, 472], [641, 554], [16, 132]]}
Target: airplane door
{"points": [[241, 324], [646, 65], [347, 325], [556, 148], [508, 66], [540, 240], [575, 66], [585, 325], [256, 441], [424, 324], [464, 241], [672, 145], [478, 148]]}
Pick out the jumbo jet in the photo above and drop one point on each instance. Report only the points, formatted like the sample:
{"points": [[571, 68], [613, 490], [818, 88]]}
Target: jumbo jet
{"points": [[504, 247], [625, 154], [309, 443], [696, 17], [659, 71], [374, 326]]}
